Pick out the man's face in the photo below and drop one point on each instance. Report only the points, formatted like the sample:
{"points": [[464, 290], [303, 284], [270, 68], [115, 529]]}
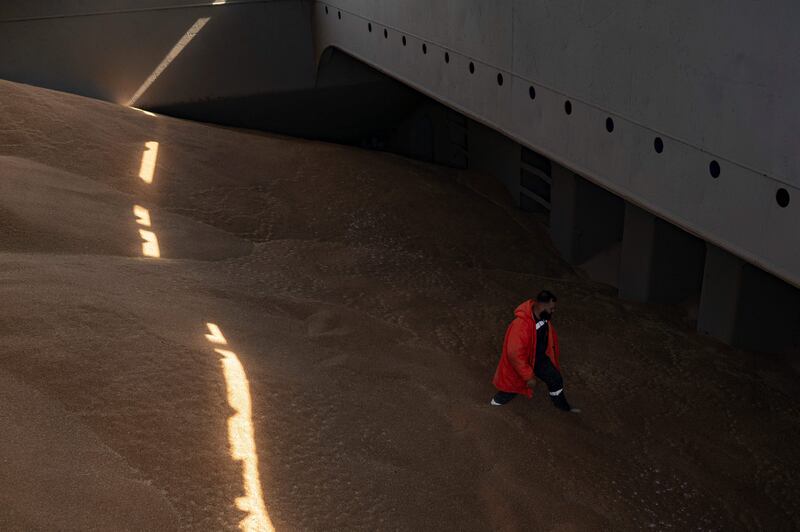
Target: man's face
{"points": [[546, 310]]}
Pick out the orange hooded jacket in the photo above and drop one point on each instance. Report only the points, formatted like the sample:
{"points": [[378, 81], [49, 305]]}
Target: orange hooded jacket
{"points": [[519, 352]]}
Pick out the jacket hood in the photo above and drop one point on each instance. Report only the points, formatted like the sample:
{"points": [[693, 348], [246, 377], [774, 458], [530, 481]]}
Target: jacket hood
{"points": [[525, 310]]}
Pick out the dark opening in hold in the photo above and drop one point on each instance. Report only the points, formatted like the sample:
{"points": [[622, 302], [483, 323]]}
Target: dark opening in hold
{"points": [[369, 26], [326, 10], [404, 40], [385, 33], [782, 197], [471, 67], [340, 15], [424, 48], [714, 169], [658, 144], [609, 124], [568, 107], [534, 183], [532, 92], [446, 57], [500, 79]]}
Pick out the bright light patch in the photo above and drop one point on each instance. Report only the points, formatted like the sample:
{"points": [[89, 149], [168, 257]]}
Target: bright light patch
{"points": [[148, 113], [218, 2], [241, 437], [243, 444], [149, 158], [142, 215], [150, 244], [215, 334], [170, 57]]}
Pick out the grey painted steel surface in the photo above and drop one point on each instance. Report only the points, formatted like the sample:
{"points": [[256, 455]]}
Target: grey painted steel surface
{"points": [[714, 84]]}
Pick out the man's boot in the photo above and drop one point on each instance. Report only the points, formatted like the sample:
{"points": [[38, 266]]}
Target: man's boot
{"points": [[560, 400]]}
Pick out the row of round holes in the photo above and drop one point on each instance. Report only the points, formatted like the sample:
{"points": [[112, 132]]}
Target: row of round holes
{"points": [[782, 196]]}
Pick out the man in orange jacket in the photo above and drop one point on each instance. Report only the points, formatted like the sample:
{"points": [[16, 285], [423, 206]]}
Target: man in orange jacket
{"points": [[530, 351]]}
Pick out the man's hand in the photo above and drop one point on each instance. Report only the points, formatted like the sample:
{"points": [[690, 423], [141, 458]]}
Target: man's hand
{"points": [[531, 383]]}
